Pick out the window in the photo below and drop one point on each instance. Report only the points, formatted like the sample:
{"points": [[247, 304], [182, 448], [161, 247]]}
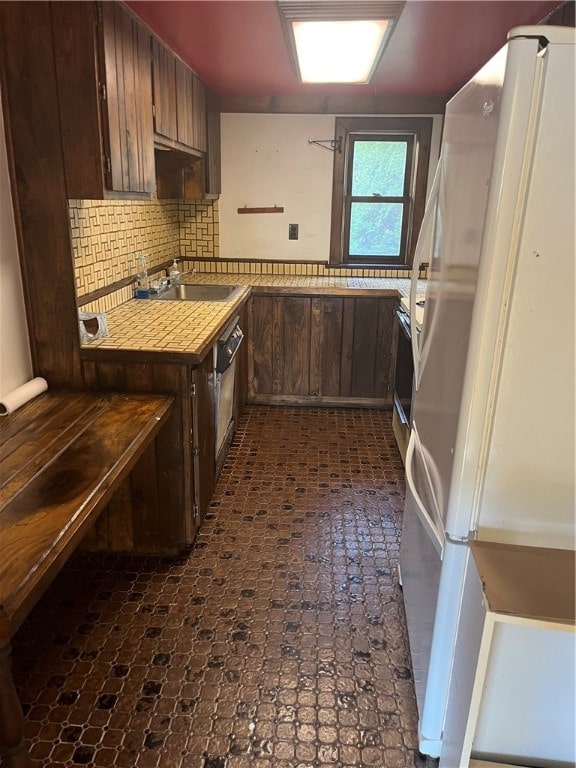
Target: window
{"points": [[379, 189]]}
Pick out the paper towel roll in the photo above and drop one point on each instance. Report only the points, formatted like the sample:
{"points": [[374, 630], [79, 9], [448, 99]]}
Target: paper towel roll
{"points": [[22, 395]]}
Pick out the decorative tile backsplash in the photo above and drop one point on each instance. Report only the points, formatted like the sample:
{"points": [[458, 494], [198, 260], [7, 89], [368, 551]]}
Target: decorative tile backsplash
{"points": [[287, 268], [199, 228], [108, 235]]}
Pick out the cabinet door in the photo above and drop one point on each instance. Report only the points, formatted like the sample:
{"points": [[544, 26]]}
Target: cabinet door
{"points": [[203, 434], [199, 114], [164, 65], [191, 109], [280, 346], [213, 154], [127, 106], [185, 102], [322, 349], [366, 359], [102, 62]]}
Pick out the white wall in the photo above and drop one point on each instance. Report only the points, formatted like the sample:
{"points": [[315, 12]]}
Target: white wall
{"points": [[267, 161], [15, 362]]}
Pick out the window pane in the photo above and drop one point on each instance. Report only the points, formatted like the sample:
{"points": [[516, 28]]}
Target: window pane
{"points": [[375, 229], [378, 167]]}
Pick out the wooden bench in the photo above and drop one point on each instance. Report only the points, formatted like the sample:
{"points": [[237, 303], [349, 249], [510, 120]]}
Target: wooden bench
{"points": [[62, 457]]}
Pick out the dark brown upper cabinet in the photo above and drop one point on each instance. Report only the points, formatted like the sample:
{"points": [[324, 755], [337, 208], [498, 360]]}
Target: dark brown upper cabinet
{"points": [[179, 103], [186, 122], [191, 102], [102, 59], [213, 155], [164, 95]]}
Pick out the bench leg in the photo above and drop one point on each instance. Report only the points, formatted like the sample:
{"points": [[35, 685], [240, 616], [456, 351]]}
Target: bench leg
{"points": [[12, 745]]}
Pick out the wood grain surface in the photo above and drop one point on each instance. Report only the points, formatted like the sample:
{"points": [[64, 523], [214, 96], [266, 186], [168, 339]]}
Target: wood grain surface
{"points": [[61, 458]]}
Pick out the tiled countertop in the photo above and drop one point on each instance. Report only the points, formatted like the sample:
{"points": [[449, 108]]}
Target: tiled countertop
{"points": [[189, 328], [308, 284]]}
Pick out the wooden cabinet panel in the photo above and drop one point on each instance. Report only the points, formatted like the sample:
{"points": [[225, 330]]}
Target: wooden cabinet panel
{"points": [[102, 58], [128, 102], [191, 101], [164, 65], [152, 511], [292, 346], [34, 144], [185, 105], [326, 351], [385, 355], [260, 314], [213, 150], [203, 434], [162, 504], [179, 102], [199, 113], [241, 379], [321, 349]]}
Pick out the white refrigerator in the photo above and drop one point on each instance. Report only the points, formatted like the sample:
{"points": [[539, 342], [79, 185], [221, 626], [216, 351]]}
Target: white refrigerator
{"points": [[491, 452]]}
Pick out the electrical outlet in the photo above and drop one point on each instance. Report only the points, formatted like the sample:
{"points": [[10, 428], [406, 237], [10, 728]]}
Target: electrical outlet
{"points": [[292, 231]]}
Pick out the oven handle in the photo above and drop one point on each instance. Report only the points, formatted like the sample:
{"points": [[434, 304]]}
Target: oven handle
{"points": [[404, 323], [423, 248], [400, 411]]}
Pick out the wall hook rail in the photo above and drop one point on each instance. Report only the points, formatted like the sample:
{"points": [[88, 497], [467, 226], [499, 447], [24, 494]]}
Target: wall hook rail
{"points": [[270, 209], [335, 144]]}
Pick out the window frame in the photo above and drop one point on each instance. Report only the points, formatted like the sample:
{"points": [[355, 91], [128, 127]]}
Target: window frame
{"points": [[351, 129]]}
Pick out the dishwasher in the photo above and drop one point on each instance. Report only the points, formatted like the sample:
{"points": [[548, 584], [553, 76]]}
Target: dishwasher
{"points": [[225, 351]]}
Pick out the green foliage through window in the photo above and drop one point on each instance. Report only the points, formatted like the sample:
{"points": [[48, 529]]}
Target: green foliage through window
{"points": [[379, 189], [379, 167], [375, 229], [377, 203]]}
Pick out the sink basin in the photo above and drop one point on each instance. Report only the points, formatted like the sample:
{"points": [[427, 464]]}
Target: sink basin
{"points": [[199, 292]]}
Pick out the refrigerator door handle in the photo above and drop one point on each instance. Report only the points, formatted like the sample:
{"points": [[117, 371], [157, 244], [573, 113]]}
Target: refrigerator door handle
{"points": [[422, 252], [425, 519]]}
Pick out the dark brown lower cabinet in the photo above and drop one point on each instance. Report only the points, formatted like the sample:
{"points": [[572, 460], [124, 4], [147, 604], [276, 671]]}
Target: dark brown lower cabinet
{"points": [[321, 349], [161, 505]]}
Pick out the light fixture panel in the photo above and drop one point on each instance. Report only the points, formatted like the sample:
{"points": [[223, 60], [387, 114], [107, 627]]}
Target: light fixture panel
{"points": [[338, 51], [337, 41]]}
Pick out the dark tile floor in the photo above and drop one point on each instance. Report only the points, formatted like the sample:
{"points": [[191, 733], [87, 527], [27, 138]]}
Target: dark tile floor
{"points": [[278, 641]]}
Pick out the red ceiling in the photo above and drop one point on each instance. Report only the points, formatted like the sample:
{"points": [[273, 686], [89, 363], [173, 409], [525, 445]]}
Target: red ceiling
{"points": [[238, 47]]}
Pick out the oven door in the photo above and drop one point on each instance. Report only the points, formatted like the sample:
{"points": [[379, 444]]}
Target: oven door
{"points": [[403, 383]]}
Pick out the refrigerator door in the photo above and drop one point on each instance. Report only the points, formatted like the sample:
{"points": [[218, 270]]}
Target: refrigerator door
{"points": [[422, 253], [513, 469], [526, 483], [470, 132], [421, 556]]}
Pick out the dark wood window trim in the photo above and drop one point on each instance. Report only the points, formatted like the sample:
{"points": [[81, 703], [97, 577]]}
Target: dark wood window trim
{"points": [[346, 129]]}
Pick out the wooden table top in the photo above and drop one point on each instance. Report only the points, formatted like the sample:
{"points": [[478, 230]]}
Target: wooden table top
{"points": [[61, 458]]}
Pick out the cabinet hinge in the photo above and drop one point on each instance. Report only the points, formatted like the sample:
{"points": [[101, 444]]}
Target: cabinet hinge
{"points": [[102, 88], [196, 513], [192, 389], [195, 450], [153, 110], [107, 165], [98, 14]]}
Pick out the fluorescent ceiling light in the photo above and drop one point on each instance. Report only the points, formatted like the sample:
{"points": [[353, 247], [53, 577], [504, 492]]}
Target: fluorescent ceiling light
{"points": [[337, 41], [338, 51]]}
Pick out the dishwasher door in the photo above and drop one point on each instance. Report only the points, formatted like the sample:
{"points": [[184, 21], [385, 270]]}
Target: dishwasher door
{"points": [[225, 351], [224, 392]]}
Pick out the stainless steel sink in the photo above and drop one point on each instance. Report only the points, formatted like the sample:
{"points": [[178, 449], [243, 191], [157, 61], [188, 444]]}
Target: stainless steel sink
{"points": [[199, 292]]}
